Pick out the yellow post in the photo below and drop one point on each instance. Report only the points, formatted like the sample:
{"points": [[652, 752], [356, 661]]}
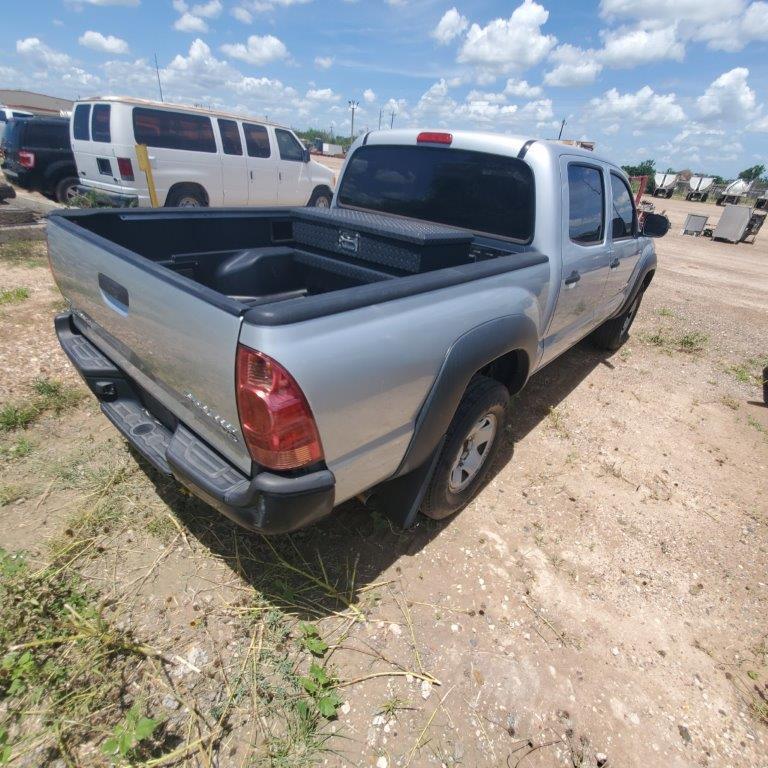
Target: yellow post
{"points": [[145, 165]]}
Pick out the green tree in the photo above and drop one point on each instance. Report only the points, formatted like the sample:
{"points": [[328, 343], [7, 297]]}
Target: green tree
{"points": [[646, 168], [750, 174]]}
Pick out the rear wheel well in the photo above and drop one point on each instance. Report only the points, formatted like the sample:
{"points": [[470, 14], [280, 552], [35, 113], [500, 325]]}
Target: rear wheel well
{"points": [[320, 189], [647, 279], [188, 186], [511, 370]]}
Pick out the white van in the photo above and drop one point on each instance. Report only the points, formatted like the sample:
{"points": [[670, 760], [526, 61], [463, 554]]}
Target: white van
{"points": [[198, 157]]}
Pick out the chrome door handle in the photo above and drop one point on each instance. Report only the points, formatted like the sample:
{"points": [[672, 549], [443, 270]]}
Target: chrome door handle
{"points": [[614, 264], [573, 278]]}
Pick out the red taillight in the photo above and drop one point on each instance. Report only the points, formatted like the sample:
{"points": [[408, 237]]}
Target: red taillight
{"points": [[432, 137], [276, 419], [26, 159], [126, 168]]}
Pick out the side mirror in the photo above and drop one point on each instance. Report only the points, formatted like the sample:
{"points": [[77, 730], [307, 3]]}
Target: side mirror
{"points": [[306, 157], [655, 225]]}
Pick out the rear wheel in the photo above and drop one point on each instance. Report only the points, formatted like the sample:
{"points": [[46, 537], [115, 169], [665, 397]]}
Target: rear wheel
{"points": [[185, 196], [471, 443], [613, 333], [66, 189], [321, 198]]}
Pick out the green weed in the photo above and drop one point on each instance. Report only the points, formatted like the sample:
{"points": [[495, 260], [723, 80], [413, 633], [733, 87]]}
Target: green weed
{"points": [[48, 395], [9, 494], [13, 295], [127, 735], [23, 253], [16, 450]]}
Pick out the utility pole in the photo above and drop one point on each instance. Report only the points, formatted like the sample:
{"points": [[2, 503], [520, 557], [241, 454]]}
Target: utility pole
{"points": [[560, 135], [380, 119], [353, 105], [392, 119], [159, 84]]}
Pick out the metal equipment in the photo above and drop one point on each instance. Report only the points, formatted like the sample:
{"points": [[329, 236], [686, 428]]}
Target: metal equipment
{"points": [[699, 188], [733, 193], [756, 221], [733, 223], [665, 184], [695, 224]]}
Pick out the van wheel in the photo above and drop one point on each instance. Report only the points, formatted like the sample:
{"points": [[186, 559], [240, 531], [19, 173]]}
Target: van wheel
{"points": [[321, 198], [613, 333], [66, 191], [185, 196], [471, 444]]}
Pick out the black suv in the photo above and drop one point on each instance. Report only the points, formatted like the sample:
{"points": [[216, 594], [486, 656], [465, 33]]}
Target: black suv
{"points": [[38, 156]]}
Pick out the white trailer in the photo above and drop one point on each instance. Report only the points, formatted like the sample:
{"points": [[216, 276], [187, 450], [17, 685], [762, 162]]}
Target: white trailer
{"points": [[333, 150], [665, 184], [699, 188], [733, 193]]}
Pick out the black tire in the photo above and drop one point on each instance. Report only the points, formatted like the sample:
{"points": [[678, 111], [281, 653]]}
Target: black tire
{"points": [[704, 198], [613, 333], [765, 385], [321, 198], [484, 398], [186, 196], [65, 189]]}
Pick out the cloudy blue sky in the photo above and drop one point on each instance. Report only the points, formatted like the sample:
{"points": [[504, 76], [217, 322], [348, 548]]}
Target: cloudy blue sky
{"points": [[684, 81]]}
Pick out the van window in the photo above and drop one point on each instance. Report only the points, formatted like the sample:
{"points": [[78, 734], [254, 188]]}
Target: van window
{"points": [[230, 137], [623, 211], [80, 122], [173, 130], [100, 123], [475, 190], [290, 149], [256, 140], [46, 135], [585, 204]]}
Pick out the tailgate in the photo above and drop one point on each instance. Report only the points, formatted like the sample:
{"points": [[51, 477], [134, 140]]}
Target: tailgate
{"points": [[176, 339]]}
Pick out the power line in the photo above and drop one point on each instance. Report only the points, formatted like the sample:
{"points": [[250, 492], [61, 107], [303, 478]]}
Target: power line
{"points": [[159, 84]]}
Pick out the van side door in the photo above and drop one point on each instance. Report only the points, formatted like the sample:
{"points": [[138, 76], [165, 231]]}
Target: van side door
{"points": [[261, 164], [234, 173], [585, 253], [295, 186], [625, 241]]}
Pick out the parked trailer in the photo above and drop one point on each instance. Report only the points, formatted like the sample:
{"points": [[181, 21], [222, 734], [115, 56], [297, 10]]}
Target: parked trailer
{"points": [[665, 184], [333, 150], [699, 188], [733, 193]]}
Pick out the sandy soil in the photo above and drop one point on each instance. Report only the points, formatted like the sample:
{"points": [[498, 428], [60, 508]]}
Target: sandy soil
{"points": [[602, 602]]}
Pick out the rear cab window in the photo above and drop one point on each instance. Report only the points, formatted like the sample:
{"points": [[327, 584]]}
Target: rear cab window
{"points": [[173, 130], [256, 140], [586, 204], [100, 128], [81, 122], [623, 216], [46, 135], [485, 193]]}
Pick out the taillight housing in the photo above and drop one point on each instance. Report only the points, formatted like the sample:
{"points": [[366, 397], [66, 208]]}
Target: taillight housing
{"points": [[125, 167], [434, 137], [277, 422], [26, 159]]}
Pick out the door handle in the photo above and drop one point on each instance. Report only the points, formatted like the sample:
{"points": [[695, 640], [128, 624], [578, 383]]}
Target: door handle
{"points": [[251, 175], [114, 294], [572, 279], [614, 264]]}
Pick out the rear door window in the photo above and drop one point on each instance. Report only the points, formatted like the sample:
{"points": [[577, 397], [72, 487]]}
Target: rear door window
{"points": [[100, 130], [230, 137], [622, 209], [173, 130], [586, 204], [289, 147], [475, 190], [256, 140], [81, 122], [47, 135]]}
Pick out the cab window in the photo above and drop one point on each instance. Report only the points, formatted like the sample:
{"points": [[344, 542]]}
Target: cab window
{"points": [[586, 204], [289, 147], [623, 215]]}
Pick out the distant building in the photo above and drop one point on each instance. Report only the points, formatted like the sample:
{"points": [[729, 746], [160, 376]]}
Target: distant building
{"points": [[38, 103]]}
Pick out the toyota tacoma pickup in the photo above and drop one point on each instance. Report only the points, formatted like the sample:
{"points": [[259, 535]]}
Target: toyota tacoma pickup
{"points": [[278, 362]]}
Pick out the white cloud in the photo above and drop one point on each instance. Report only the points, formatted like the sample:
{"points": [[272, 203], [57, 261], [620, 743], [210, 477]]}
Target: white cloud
{"points": [[242, 14], [574, 67], [129, 3], [624, 48], [672, 10], [322, 94], [189, 23], [37, 51], [369, 96], [451, 25], [323, 62], [522, 89], [105, 44], [486, 97], [509, 44], [642, 109], [264, 6], [257, 49], [209, 10], [729, 97]]}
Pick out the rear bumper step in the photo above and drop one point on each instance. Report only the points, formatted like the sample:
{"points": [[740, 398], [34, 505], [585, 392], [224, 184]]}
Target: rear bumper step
{"points": [[266, 503]]}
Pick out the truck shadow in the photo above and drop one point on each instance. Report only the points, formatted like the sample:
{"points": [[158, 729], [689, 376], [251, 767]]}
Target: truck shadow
{"points": [[332, 565]]}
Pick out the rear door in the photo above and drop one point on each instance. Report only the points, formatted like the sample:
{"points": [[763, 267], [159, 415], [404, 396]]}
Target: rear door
{"points": [[234, 172], [91, 135], [295, 186], [585, 251], [625, 240], [262, 165]]}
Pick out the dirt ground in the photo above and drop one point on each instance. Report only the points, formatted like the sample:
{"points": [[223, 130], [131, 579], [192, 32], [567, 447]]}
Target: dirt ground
{"points": [[603, 602]]}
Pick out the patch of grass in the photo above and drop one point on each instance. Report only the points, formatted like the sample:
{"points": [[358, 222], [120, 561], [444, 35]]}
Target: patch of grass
{"points": [[16, 450], [666, 312], [730, 402], [48, 395], [557, 421], [9, 494], [750, 371], [23, 253], [13, 295], [753, 422], [692, 342]]}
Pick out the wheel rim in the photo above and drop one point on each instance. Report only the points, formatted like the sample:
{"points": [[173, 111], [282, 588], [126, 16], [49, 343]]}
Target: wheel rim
{"points": [[630, 316], [70, 194], [322, 202], [473, 453], [189, 201]]}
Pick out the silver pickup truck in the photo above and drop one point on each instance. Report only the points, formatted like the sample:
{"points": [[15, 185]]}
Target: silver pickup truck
{"points": [[280, 362]]}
